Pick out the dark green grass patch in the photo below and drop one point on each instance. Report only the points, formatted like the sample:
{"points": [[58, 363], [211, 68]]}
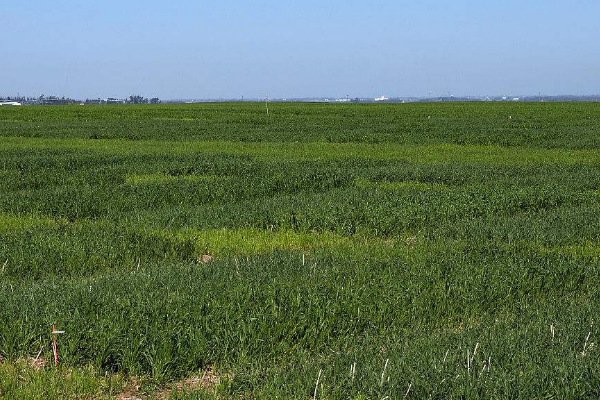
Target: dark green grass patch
{"points": [[572, 125]]}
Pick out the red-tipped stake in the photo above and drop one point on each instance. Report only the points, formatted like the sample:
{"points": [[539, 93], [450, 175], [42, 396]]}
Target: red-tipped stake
{"points": [[54, 345]]}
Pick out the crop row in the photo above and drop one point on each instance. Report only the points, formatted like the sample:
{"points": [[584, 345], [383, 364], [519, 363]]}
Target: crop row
{"points": [[548, 125]]}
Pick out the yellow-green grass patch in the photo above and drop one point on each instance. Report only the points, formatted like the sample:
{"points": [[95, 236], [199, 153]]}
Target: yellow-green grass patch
{"points": [[27, 380], [161, 178], [366, 183], [10, 222], [315, 151]]}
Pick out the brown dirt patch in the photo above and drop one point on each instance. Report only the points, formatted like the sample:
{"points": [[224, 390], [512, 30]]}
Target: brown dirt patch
{"points": [[208, 381], [205, 258], [37, 363], [131, 391], [410, 241]]}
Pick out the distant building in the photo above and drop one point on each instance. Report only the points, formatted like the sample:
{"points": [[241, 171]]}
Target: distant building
{"points": [[54, 100], [382, 98], [93, 101], [10, 103]]}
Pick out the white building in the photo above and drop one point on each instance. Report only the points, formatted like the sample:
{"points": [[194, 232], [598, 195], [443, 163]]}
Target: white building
{"points": [[9, 103]]}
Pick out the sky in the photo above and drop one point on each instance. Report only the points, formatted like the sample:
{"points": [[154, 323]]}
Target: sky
{"points": [[287, 49]]}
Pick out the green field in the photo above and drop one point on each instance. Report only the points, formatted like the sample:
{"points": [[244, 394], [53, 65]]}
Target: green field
{"points": [[419, 251]]}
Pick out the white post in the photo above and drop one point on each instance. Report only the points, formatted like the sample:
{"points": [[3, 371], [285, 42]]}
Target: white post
{"points": [[267, 103]]}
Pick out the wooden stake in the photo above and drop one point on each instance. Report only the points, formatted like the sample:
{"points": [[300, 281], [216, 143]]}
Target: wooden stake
{"points": [[54, 346]]}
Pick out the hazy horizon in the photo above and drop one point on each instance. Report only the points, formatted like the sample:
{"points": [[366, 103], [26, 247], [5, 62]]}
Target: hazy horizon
{"points": [[299, 50]]}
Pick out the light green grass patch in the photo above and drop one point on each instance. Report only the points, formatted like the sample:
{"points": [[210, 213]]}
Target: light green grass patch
{"points": [[20, 380], [366, 183], [584, 251], [162, 178], [245, 242], [588, 251], [224, 242], [319, 151], [9, 222], [175, 119]]}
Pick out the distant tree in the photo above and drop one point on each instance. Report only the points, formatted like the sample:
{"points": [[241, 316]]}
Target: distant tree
{"points": [[136, 99], [155, 100]]}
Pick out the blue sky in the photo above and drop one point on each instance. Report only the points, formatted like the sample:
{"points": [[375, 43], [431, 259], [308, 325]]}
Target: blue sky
{"points": [[226, 49]]}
